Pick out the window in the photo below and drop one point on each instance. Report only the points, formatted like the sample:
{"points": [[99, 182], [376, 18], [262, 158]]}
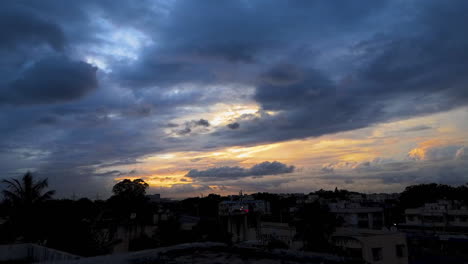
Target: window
{"points": [[400, 250], [377, 254]]}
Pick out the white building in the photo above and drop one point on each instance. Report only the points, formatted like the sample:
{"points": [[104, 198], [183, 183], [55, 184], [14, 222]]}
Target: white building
{"points": [[270, 231], [241, 218], [373, 246], [357, 216], [442, 216]]}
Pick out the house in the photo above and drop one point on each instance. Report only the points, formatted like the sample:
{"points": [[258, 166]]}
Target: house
{"points": [[442, 215], [438, 230], [241, 218], [373, 246], [357, 216], [270, 231]]}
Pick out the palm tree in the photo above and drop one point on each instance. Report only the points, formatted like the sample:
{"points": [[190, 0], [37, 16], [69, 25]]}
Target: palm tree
{"points": [[26, 192], [25, 197]]}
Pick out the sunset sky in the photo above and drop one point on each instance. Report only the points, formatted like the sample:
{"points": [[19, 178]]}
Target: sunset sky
{"points": [[217, 96]]}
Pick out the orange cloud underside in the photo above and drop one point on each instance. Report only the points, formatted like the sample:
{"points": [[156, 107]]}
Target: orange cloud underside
{"points": [[381, 141]]}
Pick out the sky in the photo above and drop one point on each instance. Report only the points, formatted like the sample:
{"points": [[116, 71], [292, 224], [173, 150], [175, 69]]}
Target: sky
{"points": [[218, 96]]}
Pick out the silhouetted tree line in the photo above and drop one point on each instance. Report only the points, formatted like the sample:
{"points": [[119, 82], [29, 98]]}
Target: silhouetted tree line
{"points": [[417, 195], [86, 227], [80, 227]]}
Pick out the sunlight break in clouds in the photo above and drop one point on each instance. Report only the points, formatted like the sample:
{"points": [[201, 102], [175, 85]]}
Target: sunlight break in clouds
{"points": [[345, 153]]}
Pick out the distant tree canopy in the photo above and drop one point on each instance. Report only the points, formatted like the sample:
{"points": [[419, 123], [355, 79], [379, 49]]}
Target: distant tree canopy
{"points": [[336, 194], [417, 195], [129, 197], [206, 206], [314, 225], [130, 189]]}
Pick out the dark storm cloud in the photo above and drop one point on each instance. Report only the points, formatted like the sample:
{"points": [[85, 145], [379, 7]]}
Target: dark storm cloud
{"points": [[19, 26], [258, 170], [317, 67], [233, 125], [417, 128], [202, 122], [191, 125], [47, 120], [184, 131], [115, 173], [417, 67], [228, 41], [307, 103], [240, 31], [286, 87], [51, 80], [171, 125]]}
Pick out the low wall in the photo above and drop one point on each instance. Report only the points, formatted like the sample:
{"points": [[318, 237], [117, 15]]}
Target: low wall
{"points": [[32, 253]]}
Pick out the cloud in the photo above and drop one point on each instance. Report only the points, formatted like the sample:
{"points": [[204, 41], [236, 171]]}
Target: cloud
{"points": [[51, 80], [327, 169], [312, 67], [202, 122], [172, 125], [115, 173], [19, 27], [392, 76], [190, 126], [461, 154], [397, 175], [417, 128], [436, 152], [47, 120], [184, 131], [258, 170], [206, 54], [234, 125]]}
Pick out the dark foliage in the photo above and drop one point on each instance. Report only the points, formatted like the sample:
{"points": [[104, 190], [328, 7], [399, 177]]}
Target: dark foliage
{"points": [[416, 195], [87, 228], [129, 198], [314, 226], [23, 200]]}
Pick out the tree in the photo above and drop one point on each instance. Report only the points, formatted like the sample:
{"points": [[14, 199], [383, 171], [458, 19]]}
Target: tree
{"points": [[417, 195], [129, 197], [314, 225], [24, 198], [130, 189], [26, 192]]}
